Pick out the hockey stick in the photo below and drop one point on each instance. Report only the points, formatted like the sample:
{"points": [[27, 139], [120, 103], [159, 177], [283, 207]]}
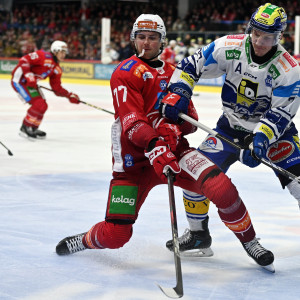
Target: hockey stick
{"points": [[177, 291], [8, 151], [94, 106], [91, 105], [233, 144]]}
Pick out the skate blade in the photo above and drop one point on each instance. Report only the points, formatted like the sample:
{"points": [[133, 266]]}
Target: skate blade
{"points": [[24, 135], [207, 252], [38, 137], [269, 268]]}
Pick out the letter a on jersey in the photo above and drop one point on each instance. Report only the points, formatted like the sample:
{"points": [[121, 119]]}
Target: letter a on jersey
{"points": [[238, 68]]}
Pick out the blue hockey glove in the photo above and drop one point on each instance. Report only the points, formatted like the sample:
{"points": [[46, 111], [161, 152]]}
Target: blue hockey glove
{"points": [[172, 104], [247, 158], [260, 145], [246, 154]]}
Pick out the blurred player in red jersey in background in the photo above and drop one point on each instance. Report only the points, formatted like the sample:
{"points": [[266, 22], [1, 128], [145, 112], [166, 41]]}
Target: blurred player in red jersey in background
{"points": [[297, 56], [145, 147], [31, 68], [169, 54]]}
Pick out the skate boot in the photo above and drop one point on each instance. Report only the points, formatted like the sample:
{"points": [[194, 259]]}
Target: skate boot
{"points": [[40, 134], [261, 256], [194, 243], [70, 244], [28, 132]]}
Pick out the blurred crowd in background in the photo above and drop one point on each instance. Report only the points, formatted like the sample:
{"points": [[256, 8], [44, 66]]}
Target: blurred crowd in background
{"points": [[30, 27]]}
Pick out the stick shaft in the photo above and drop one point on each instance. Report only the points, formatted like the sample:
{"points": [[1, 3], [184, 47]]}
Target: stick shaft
{"points": [[97, 107], [177, 260], [9, 152], [177, 291], [83, 102], [233, 144]]}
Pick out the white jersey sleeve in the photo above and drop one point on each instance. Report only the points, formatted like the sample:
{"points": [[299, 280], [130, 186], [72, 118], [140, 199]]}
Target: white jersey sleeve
{"points": [[205, 63], [285, 97]]}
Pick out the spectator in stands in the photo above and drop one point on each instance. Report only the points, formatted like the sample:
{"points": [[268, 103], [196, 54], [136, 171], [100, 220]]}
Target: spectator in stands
{"points": [[179, 25], [125, 50], [64, 19], [85, 14]]}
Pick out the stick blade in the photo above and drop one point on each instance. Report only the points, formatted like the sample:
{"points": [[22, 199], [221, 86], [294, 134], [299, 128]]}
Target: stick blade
{"points": [[174, 293]]}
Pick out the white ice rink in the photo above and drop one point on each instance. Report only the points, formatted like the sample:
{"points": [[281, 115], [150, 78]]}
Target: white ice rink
{"points": [[58, 187]]}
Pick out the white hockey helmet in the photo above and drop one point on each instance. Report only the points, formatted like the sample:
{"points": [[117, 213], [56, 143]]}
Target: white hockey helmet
{"points": [[172, 43], [59, 46], [149, 22]]}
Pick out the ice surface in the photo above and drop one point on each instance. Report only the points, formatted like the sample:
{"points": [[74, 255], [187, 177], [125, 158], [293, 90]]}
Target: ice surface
{"points": [[58, 187]]}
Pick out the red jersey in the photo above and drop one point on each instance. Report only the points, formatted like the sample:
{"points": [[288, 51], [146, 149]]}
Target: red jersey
{"points": [[42, 64], [168, 55], [137, 89]]}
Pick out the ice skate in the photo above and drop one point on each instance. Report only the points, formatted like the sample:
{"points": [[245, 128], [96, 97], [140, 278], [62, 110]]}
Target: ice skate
{"points": [[40, 134], [28, 132], [70, 245], [194, 243], [31, 133], [261, 256]]}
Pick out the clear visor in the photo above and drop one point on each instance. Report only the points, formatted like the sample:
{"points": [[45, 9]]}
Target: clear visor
{"points": [[262, 38]]}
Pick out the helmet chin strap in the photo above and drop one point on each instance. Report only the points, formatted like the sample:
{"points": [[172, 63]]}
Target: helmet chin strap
{"points": [[55, 57]]}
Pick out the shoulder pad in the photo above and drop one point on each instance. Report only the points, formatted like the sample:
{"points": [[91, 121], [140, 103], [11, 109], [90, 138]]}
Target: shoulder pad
{"points": [[234, 40], [127, 65], [140, 69], [236, 36], [48, 55], [57, 70]]}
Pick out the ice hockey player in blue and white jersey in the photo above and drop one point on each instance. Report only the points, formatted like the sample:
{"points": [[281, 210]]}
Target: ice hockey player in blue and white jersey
{"points": [[260, 97]]}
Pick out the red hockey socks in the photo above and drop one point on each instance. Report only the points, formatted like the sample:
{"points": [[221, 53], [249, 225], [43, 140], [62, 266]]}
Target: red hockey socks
{"points": [[107, 235], [237, 219], [231, 209], [35, 113]]}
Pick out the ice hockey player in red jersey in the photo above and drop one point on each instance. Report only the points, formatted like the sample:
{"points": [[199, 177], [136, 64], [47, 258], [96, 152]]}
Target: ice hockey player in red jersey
{"points": [[169, 53], [297, 56], [32, 68], [145, 146]]}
